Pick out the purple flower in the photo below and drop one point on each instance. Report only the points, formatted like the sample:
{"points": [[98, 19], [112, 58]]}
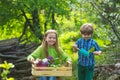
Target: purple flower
{"points": [[39, 63], [50, 58], [45, 64]]}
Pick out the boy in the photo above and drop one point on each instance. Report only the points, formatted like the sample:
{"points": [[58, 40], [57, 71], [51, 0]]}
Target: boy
{"points": [[86, 48]]}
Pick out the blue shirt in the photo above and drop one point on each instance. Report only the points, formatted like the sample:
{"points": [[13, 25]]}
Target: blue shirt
{"points": [[86, 44]]}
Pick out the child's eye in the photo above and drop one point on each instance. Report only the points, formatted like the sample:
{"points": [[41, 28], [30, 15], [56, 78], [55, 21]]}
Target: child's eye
{"points": [[52, 37]]}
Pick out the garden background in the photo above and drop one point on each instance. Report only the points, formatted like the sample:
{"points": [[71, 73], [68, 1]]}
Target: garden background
{"points": [[23, 23]]}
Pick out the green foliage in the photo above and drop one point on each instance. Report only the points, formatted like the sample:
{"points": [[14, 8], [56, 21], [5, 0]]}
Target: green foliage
{"points": [[69, 15], [6, 67], [23, 10], [8, 11], [109, 55], [11, 30], [108, 11], [68, 36], [67, 41]]}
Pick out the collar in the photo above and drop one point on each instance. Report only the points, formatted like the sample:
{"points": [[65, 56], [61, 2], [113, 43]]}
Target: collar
{"points": [[50, 46], [87, 40]]}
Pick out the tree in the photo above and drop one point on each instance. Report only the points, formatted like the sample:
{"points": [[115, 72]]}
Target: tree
{"points": [[110, 14], [36, 15]]}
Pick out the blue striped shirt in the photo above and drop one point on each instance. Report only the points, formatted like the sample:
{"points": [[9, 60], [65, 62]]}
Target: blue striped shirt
{"points": [[86, 44]]}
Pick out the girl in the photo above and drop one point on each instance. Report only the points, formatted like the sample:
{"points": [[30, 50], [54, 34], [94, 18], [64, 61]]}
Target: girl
{"points": [[49, 47]]}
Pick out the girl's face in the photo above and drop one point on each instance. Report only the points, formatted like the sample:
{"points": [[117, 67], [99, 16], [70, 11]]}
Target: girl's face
{"points": [[86, 36], [51, 39]]}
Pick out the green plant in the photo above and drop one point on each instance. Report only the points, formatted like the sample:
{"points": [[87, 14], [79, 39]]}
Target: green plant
{"points": [[6, 70]]}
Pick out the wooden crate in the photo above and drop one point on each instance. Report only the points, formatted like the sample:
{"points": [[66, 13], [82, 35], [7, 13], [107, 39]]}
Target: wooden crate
{"points": [[51, 71]]}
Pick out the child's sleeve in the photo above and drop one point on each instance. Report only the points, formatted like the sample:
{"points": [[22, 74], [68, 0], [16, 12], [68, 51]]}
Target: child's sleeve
{"points": [[78, 43], [64, 56], [97, 47], [36, 53]]}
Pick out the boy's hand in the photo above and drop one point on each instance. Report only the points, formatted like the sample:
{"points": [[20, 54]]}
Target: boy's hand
{"points": [[84, 52], [97, 52], [75, 48]]}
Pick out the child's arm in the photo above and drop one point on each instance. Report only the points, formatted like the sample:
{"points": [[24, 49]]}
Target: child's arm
{"points": [[36, 54], [97, 52], [31, 59], [65, 56], [82, 51]]}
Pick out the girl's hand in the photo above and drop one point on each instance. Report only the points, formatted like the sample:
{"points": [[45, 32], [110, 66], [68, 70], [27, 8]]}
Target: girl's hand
{"points": [[69, 63], [32, 60]]}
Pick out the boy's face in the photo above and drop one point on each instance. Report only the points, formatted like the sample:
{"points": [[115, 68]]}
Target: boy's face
{"points": [[86, 36]]}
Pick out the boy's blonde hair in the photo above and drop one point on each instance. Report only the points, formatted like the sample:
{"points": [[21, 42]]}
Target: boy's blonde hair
{"points": [[44, 43], [86, 28]]}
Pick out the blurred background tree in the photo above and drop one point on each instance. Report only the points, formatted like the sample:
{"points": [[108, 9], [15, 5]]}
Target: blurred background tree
{"points": [[31, 18], [28, 20]]}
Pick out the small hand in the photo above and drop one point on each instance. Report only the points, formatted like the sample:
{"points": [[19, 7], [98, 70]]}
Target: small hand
{"points": [[32, 60], [69, 63], [97, 52], [75, 48]]}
